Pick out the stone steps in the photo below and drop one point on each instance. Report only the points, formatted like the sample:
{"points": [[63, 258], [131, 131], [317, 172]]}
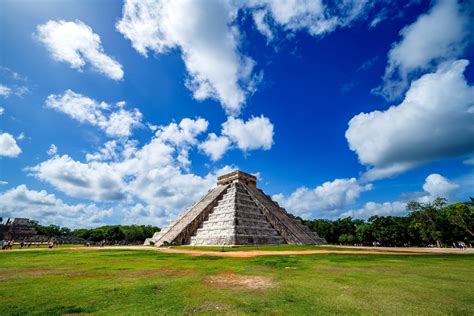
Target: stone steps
{"points": [[236, 217], [288, 227], [193, 217]]}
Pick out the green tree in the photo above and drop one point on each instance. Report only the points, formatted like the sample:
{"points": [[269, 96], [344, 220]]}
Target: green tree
{"points": [[114, 233], [427, 219]]}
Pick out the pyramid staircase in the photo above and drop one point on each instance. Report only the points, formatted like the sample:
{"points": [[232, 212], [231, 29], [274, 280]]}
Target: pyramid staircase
{"points": [[236, 220]]}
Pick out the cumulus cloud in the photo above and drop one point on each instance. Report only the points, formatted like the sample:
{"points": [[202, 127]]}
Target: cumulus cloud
{"points": [[314, 16], [435, 185], [370, 209], [94, 181], [8, 146], [152, 175], [48, 209], [325, 200], [113, 120], [53, 150], [184, 133], [207, 34], [436, 36], [256, 133], [5, 91], [75, 43], [2, 110], [114, 150], [182, 136], [215, 146], [209, 44], [433, 122]]}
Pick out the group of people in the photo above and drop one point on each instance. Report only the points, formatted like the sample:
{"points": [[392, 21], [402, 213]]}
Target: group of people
{"points": [[460, 244], [8, 244]]}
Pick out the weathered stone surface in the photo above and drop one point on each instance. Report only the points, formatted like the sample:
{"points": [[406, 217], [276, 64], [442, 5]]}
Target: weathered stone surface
{"points": [[179, 231], [236, 220], [235, 213]]}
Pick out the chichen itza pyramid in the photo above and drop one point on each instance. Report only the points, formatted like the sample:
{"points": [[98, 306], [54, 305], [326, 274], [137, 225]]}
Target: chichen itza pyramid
{"points": [[236, 212]]}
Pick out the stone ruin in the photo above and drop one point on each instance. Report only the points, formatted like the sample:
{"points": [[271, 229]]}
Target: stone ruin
{"points": [[236, 212], [19, 228]]}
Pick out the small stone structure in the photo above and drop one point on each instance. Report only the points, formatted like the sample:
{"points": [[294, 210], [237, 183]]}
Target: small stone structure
{"points": [[236, 212]]}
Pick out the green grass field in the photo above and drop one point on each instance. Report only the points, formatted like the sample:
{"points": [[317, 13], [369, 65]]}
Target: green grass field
{"points": [[111, 282]]}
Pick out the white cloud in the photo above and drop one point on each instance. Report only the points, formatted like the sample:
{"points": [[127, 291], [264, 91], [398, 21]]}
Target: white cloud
{"points": [[95, 181], [182, 136], [76, 44], [7, 72], [5, 91], [314, 16], [114, 150], [48, 209], [262, 26], [53, 150], [469, 161], [369, 209], [207, 34], [438, 35], [437, 186], [2, 110], [209, 43], [256, 133], [120, 172], [215, 146], [8, 146], [21, 136], [433, 122], [15, 89], [184, 133], [114, 120], [325, 200], [20, 91]]}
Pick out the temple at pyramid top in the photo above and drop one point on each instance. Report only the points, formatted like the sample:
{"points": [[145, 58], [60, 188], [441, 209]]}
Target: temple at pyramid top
{"points": [[237, 176], [235, 212]]}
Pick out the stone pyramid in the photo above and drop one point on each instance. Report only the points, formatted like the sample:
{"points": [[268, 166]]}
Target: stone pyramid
{"points": [[235, 213]]}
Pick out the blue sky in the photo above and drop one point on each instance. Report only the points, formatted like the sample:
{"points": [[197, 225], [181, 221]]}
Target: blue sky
{"points": [[125, 112]]}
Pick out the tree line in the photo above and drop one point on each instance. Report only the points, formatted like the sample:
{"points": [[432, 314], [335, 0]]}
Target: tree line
{"points": [[427, 224], [111, 233]]}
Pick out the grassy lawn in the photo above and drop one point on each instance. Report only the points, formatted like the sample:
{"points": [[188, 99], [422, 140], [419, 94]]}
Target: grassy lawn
{"points": [[45, 245], [147, 282]]}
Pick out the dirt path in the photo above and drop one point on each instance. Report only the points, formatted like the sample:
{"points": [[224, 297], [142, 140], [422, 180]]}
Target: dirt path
{"points": [[254, 253]]}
